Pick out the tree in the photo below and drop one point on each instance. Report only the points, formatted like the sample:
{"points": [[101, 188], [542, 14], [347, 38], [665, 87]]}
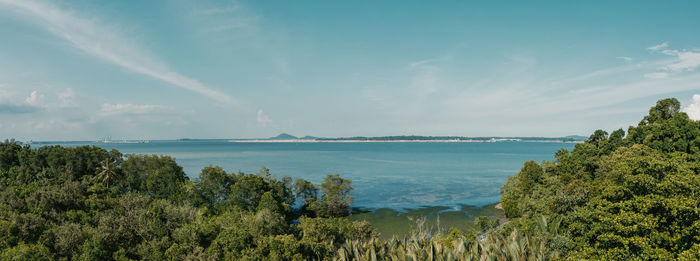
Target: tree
{"points": [[27, 252], [214, 184], [107, 172], [9, 154], [618, 197], [267, 201], [335, 201], [529, 176], [306, 191], [598, 137], [667, 129], [248, 190], [85, 203], [664, 110]]}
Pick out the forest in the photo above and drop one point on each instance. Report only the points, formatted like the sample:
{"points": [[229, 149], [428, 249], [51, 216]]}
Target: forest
{"points": [[631, 195]]}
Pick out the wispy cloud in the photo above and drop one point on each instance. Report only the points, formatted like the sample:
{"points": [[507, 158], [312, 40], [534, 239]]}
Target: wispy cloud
{"points": [[415, 64], [9, 103], [617, 93], [656, 75], [262, 119], [588, 91], [625, 58], [107, 44], [426, 75], [687, 61], [693, 109], [600, 73], [126, 108], [217, 10], [34, 99], [658, 47], [67, 98], [224, 18], [17, 108], [684, 61], [426, 79]]}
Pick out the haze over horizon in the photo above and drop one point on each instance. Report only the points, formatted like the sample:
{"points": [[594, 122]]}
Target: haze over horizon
{"points": [[86, 69]]}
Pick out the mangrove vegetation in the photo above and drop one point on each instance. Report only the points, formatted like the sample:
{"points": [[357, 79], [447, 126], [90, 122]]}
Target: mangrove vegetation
{"points": [[624, 195]]}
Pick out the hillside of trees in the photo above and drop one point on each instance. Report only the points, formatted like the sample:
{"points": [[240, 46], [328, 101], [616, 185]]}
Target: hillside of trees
{"points": [[85, 203], [616, 196]]}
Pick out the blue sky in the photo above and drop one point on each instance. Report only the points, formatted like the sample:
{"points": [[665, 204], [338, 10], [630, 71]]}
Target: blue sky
{"points": [[221, 69]]}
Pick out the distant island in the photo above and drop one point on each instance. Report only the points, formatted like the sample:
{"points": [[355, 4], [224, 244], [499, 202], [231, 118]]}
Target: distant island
{"points": [[284, 137]]}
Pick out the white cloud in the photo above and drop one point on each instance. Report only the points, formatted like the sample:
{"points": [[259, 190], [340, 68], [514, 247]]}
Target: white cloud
{"points": [[263, 120], [425, 78], [222, 19], [656, 75], [13, 103], [419, 63], [67, 98], [34, 99], [600, 73], [693, 109], [107, 44], [687, 61], [216, 10], [616, 94], [684, 61], [126, 108], [658, 47], [625, 58]]}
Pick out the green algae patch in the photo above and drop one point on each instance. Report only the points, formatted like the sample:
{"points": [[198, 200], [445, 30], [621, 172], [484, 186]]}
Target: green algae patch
{"points": [[435, 219]]}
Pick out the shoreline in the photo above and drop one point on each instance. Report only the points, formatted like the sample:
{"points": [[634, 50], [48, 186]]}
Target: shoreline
{"points": [[396, 141]]}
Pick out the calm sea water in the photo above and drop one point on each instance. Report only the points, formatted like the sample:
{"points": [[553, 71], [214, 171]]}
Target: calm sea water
{"points": [[391, 175]]}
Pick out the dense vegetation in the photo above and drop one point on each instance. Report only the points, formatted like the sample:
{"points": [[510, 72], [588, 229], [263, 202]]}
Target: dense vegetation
{"points": [[613, 197], [619, 197], [86, 203]]}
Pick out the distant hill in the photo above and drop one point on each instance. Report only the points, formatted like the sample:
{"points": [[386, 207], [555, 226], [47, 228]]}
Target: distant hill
{"points": [[284, 136]]}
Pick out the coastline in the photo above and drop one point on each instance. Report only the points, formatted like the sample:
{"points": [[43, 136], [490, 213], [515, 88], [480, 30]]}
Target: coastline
{"points": [[396, 141]]}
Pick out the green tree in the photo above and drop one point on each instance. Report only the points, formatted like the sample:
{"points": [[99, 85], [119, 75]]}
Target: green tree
{"points": [[214, 184], [598, 137], [26, 252], [617, 197], [107, 172], [335, 201], [530, 175]]}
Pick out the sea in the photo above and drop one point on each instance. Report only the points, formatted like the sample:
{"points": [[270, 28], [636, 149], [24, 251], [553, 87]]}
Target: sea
{"points": [[395, 175]]}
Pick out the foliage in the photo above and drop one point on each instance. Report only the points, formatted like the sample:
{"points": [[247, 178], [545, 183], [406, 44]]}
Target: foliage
{"points": [[335, 201], [85, 203], [613, 197], [515, 246], [633, 197]]}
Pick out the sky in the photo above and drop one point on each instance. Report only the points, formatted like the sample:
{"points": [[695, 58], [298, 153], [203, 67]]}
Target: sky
{"points": [[89, 69]]}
